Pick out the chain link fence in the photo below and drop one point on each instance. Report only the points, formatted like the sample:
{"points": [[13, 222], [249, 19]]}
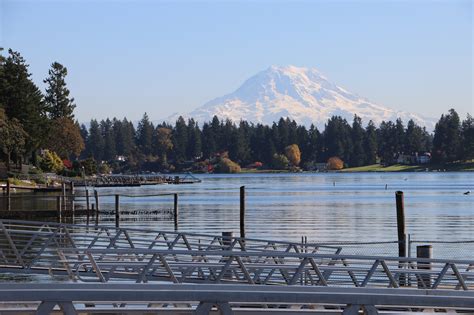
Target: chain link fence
{"points": [[462, 249]]}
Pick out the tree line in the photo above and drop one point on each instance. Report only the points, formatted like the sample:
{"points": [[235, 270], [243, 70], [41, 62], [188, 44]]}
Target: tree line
{"points": [[39, 128], [165, 146], [32, 122]]}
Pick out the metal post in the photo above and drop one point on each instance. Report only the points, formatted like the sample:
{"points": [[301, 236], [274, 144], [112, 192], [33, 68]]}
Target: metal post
{"points": [[96, 196], [242, 211], [117, 210], [63, 188], [87, 200], [96, 215], [227, 240], [73, 197], [8, 195], [226, 244], [402, 250], [424, 251], [59, 208], [175, 212], [408, 241]]}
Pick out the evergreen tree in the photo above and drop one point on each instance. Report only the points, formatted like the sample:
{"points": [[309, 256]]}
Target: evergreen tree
{"points": [[228, 136], [283, 138], [468, 138], [127, 138], [194, 146], [85, 136], [180, 140], [399, 136], [209, 145], [370, 144], [337, 138], [22, 100], [447, 138], [314, 144], [95, 141], [387, 142], [145, 135], [414, 138], [241, 143], [12, 138], [302, 140], [358, 155], [109, 140], [57, 98], [164, 144]]}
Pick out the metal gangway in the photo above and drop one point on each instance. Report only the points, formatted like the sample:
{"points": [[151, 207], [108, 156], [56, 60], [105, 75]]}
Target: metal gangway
{"points": [[105, 256], [106, 253]]}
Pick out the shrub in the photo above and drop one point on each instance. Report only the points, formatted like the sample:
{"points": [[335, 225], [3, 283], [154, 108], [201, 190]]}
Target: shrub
{"points": [[293, 154], [335, 163], [51, 162], [227, 166], [280, 162]]}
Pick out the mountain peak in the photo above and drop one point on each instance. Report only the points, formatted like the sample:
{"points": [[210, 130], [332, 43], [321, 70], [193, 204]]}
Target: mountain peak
{"points": [[299, 93]]}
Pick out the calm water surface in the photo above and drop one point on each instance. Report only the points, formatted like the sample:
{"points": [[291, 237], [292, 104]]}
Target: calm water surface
{"points": [[324, 207]]}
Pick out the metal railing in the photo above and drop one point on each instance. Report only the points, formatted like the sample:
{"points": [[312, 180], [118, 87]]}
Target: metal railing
{"points": [[104, 253], [29, 244], [266, 268]]}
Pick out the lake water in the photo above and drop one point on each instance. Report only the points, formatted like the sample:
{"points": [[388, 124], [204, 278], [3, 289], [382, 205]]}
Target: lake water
{"points": [[324, 207]]}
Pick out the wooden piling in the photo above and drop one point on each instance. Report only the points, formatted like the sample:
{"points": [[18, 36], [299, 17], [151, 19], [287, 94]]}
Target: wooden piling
{"points": [[175, 212], [402, 250], [242, 211], [424, 251], [117, 210], [401, 223]]}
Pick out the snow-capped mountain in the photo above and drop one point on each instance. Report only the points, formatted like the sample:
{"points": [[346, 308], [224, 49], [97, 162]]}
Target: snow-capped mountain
{"points": [[302, 94]]}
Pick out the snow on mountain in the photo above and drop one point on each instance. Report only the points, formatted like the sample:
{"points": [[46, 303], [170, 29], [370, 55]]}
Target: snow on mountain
{"points": [[302, 94]]}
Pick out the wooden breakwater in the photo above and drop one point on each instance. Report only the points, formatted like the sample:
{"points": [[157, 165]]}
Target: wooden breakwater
{"points": [[135, 180], [65, 206]]}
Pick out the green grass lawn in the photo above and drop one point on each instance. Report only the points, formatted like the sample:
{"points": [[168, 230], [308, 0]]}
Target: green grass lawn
{"points": [[452, 167]]}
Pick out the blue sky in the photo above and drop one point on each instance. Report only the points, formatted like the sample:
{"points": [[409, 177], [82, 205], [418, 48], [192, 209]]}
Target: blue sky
{"points": [[162, 57]]}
